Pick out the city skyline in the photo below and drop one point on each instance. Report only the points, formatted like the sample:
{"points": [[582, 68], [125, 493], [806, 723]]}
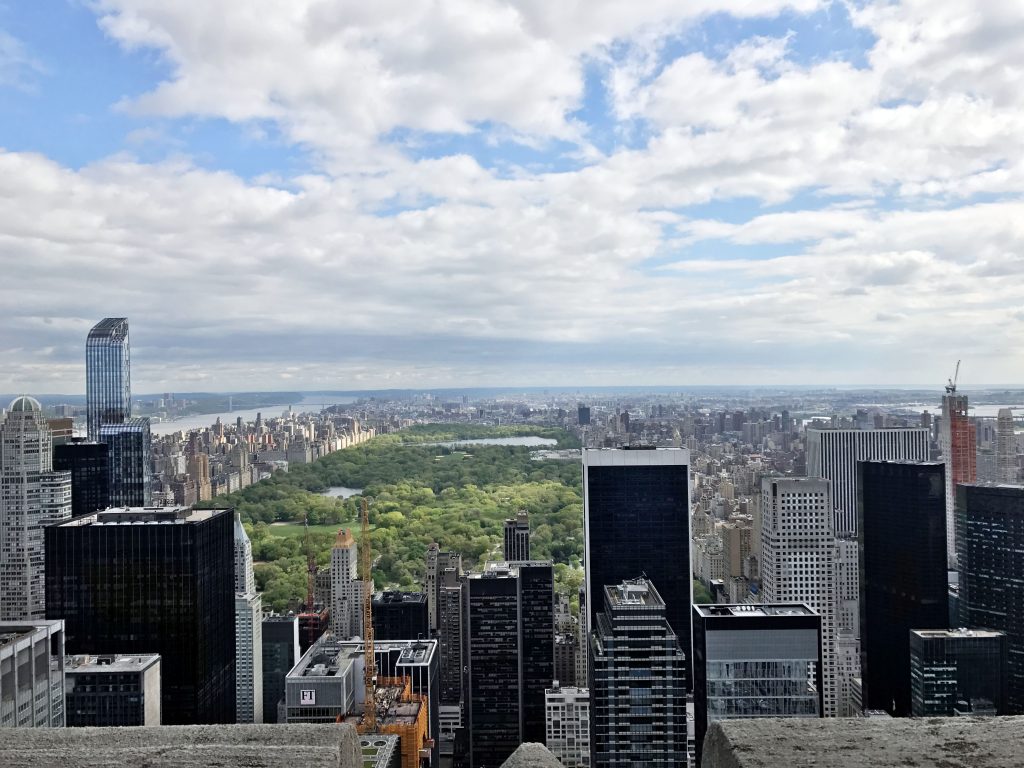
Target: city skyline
{"points": [[777, 192]]}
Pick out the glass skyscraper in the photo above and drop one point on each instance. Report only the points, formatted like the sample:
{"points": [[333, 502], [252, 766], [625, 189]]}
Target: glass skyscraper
{"points": [[108, 384], [636, 521], [131, 481]]}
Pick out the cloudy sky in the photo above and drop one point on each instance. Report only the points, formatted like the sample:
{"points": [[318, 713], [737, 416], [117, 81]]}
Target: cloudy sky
{"points": [[338, 194]]}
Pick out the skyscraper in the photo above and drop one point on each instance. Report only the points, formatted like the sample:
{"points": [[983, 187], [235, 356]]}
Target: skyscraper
{"points": [[990, 538], [450, 634], [280, 654], [638, 694], [755, 661], [437, 562], [89, 467], [902, 520], [517, 537], [400, 615], [509, 657], [568, 724], [834, 453], [798, 563], [31, 497], [1006, 447], [108, 382], [248, 633], [131, 474], [637, 521], [957, 672], [152, 580], [958, 441], [346, 587]]}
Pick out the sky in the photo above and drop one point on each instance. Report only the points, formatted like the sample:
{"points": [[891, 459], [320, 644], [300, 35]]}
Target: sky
{"points": [[331, 194]]}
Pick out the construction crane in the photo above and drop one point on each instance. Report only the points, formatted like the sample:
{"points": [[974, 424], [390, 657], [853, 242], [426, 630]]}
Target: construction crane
{"points": [[310, 566], [951, 387], [370, 661]]}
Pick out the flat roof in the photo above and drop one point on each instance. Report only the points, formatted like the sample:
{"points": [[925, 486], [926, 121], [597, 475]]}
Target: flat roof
{"points": [[634, 592], [113, 663], [176, 515], [960, 632], [747, 609]]}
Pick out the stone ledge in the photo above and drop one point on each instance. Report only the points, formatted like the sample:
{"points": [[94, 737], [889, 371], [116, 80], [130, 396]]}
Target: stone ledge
{"points": [[531, 756], [186, 746], [954, 742]]}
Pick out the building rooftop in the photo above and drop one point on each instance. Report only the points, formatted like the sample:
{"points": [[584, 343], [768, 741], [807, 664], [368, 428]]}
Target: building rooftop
{"points": [[378, 749], [112, 663], [144, 516], [746, 610], [24, 404], [392, 598], [633, 593], [13, 631], [960, 632]]}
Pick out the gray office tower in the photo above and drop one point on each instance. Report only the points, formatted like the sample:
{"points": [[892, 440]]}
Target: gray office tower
{"points": [[638, 681], [450, 634], [108, 381], [902, 521], [990, 552], [636, 517], [755, 661], [280, 654], [957, 672], [509, 657], [834, 453], [517, 537], [131, 479]]}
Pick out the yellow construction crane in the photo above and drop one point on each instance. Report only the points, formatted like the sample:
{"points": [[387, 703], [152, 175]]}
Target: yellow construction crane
{"points": [[370, 662]]}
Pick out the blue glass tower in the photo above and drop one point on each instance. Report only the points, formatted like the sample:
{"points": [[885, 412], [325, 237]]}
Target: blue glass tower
{"points": [[108, 385]]}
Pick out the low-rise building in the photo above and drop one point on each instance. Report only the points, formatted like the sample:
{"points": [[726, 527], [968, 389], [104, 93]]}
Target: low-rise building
{"points": [[32, 673], [112, 690]]}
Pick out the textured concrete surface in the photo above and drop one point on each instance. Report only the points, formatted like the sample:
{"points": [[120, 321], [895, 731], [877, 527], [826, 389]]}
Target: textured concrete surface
{"points": [[191, 746], [954, 742], [531, 756]]}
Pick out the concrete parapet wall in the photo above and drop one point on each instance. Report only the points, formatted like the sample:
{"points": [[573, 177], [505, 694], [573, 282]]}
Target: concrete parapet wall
{"points": [[960, 742]]}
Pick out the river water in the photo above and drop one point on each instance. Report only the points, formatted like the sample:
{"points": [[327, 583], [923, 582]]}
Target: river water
{"points": [[309, 403]]}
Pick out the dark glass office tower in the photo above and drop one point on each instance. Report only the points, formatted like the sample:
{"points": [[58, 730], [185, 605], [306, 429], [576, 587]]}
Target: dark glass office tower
{"points": [[638, 681], [637, 521], [108, 381], [131, 479], [509, 657], [957, 672], [990, 550], [901, 508], [89, 465], [517, 537], [153, 581], [400, 616], [280, 654]]}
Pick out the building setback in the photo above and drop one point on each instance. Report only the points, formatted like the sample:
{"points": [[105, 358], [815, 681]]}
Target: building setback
{"points": [[108, 381], [637, 520], [990, 538], [638, 674], [755, 661], [32, 674], [509, 657], [153, 580], [115, 690], [957, 672], [32, 496], [902, 511]]}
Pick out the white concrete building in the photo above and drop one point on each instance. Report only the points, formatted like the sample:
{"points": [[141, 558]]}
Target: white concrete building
{"points": [[32, 683], [798, 563], [834, 453], [32, 496], [248, 633], [567, 716], [346, 588]]}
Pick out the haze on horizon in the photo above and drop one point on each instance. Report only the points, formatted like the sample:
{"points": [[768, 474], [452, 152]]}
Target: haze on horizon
{"points": [[325, 195]]}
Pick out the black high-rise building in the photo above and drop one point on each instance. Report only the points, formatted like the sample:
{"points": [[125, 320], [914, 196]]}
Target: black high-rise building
{"points": [[637, 521], [957, 672], [400, 616], [280, 654], [517, 537], [89, 465], [901, 508], [990, 552], [509, 657], [153, 580], [583, 415]]}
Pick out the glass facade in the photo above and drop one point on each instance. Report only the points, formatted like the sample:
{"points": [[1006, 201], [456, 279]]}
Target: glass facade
{"points": [[957, 672], [89, 465], [990, 549], [280, 654], [108, 386], [130, 466], [145, 582], [904, 585], [637, 521]]}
